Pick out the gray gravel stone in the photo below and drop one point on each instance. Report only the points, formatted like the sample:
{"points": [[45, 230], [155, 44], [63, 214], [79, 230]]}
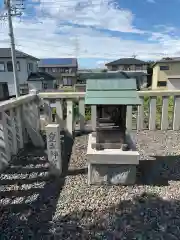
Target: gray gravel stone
{"points": [[119, 212], [33, 206]]}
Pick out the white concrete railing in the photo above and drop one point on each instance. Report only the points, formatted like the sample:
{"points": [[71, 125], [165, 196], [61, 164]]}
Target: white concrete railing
{"points": [[13, 132], [144, 116], [64, 103]]}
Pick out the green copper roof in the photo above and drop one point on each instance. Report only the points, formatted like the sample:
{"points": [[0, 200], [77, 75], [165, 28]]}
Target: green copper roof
{"points": [[112, 92]]}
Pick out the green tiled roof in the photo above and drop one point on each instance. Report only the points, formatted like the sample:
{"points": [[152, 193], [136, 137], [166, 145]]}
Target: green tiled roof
{"points": [[112, 92]]}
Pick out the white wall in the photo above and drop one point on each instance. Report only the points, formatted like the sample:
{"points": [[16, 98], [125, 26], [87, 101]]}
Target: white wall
{"points": [[35, 85], [39, 85], [22, 74], [173, 84]]}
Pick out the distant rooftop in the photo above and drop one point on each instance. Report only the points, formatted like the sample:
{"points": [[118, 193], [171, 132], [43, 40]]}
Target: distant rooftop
{"points": [[6, 53], [168, 60], [56, 62], [40, 76], [126, 61], [101, 75], [95, 70]]}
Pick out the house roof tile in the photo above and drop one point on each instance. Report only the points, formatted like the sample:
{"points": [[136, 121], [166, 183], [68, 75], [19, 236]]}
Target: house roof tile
{"points": [[167, 60], [126, 61], [6, 53], [40, 76], [53, 62]]}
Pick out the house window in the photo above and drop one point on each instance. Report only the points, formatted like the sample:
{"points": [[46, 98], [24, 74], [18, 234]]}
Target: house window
{"points": [[30, 67], [69, 82], [24, 91], [2, 67], [65, 81], [138, 67], [18, 66], [9, 66], [49, 69], [114, 68], [54, 70], [127, 68], [164, 68], [62, 70], [45, 86], [162, 84]]}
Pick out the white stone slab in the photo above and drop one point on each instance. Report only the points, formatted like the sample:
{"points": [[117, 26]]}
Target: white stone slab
{"points": [[110, 156], [54, 148]]}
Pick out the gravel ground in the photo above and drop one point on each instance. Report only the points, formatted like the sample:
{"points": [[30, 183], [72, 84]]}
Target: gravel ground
{"points": [[148, 210]]}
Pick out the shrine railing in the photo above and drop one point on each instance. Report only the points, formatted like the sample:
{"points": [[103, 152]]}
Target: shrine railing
{"points": [[17, 117], [21, 117], [159, 110]]}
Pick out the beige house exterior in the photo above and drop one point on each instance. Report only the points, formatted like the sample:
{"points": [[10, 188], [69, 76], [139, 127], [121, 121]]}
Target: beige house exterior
{"points": [[166, 74]]}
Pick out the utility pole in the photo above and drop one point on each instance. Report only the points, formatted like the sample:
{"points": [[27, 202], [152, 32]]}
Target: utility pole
{"points": [[13, 10], [13, 50]]}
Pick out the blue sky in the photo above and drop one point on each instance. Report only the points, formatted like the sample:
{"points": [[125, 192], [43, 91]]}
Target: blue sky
{"points": [[97, 31]]}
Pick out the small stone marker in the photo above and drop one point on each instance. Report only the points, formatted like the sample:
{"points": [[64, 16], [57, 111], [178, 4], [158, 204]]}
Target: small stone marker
{"points": [[54, 148]]}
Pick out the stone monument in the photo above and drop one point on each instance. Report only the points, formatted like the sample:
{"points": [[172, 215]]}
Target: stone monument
{"points": [[112, 155]]}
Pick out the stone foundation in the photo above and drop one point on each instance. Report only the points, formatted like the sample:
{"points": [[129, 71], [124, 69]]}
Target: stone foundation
{"points": [[111, 174], [112, 166]]}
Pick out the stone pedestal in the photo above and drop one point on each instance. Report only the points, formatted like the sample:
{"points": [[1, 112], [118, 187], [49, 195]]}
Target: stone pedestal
{"points": [[112, 166], [112, 174], [54, 148]]}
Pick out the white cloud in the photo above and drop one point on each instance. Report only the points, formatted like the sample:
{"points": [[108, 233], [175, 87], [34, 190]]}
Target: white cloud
{"points": [[150, 1], [52, 33], [97, 13]]}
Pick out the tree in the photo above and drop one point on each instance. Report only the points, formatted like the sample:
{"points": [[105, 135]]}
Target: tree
{"points": [[150, 73]]}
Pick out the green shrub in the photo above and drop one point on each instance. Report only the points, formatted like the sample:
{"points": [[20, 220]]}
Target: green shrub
{"points": [[88, 113]]}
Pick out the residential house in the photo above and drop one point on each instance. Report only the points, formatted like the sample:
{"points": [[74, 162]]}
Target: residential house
{"points": [[41, 81], [166, 74], [127, 64], [63, 69], [25, 65]]}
